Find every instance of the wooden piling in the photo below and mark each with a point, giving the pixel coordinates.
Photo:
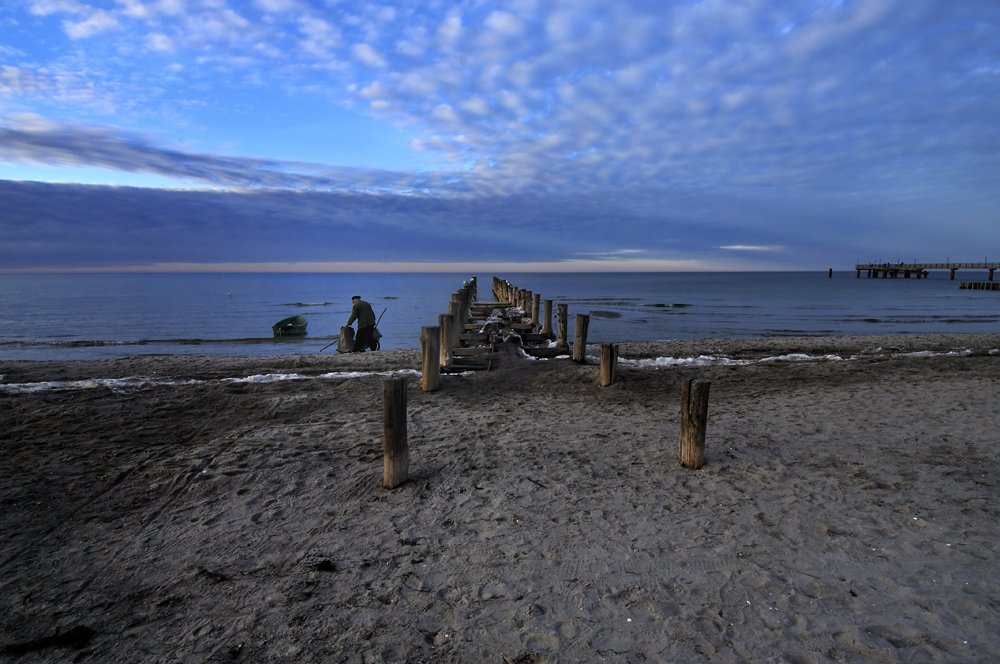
(561, 323)
(694, 420)
(396, 463)
(430, 346)
(580, 337)
(447, 325)
(536, 299)
(609, 363)
(457, 323)
(547, 321)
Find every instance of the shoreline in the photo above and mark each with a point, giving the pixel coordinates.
(846, 511)
(192, 366)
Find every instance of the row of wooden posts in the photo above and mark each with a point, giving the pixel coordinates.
(437, 346)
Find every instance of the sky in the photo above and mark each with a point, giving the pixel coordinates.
(577, 135)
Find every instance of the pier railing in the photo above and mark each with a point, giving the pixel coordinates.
(893, 270)
(927, 266)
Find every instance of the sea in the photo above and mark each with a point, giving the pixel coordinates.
(95, 316)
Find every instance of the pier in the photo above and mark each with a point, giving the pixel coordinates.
(980, 285)
(893, 270)
(469, 335)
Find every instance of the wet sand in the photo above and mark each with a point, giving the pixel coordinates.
(847, 510)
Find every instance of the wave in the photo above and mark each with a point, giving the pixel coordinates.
(306, 304)
(139, 382)
(711, 360)
(925, 320)
(98, 343)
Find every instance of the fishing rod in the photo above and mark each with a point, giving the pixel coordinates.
(376, 327)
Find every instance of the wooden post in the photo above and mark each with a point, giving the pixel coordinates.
(561, 341)
(609, 363)
(430, 346)
(458, 324)
(536, 301)
(694, 420)
(396, 464)
(465, 300)
(447, 325)
(547, 321)
(580, 337)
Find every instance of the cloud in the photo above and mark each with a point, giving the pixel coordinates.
(159, 42)
(95, 23)
(31, 139)
(90, 225)
(764, 124)
(687, 94)
(369, 56)
(756, 248)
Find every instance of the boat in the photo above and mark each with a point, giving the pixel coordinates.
(293, 326)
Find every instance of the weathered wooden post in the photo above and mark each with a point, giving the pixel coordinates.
(609, 363)
(466, 302)
(536, 301)
(457, 324)
(580, 337)
(563, 310)
(547, 321)
(694, 420)
(396, 464)
(447, 325)
(430, 346)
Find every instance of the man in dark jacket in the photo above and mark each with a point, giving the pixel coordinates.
(363, 313)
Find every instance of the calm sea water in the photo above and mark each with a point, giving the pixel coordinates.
(104, 315)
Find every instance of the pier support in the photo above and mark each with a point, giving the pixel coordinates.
(609, 363)
(447, 324)
(580, 337)
(694, 421)
(396, 452)
(562, 324)
(430, 348)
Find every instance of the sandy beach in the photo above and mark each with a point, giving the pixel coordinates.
(199, 509)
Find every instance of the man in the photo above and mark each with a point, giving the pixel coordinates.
(363, 313)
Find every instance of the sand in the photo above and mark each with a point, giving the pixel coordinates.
(847, 510)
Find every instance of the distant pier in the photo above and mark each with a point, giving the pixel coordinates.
(980, 285)
(886, 270)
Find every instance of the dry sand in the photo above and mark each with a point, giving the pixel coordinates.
(847, 511)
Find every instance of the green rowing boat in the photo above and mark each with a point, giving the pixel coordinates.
(293, 326)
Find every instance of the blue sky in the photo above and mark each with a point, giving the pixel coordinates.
(520, 135)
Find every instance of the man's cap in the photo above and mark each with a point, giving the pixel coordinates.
(355, 297)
